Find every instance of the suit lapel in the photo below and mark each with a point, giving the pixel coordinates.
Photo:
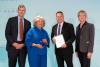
(63, 27)
(55, 29)
(24, 25)
(84, 27)
(16, 24)
(77, 30)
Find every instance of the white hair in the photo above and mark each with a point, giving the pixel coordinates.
(37, 18)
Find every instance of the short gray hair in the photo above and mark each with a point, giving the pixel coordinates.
(21, 6)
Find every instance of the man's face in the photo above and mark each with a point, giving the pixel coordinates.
(21, 11)
(82, 17)
(59, 17)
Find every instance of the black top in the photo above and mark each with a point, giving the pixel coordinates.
(78, 35)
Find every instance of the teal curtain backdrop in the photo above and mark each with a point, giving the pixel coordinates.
(47, 9)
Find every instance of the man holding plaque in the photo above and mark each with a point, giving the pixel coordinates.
(65, 32)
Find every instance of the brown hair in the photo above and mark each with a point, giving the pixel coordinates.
(59, 12)
(82, 11)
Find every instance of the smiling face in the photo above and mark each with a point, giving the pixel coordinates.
(39, 23)
(59, 17)
(21, 10)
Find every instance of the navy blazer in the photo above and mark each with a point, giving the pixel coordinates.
(11, 31)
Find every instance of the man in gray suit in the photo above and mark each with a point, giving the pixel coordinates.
(84, 39)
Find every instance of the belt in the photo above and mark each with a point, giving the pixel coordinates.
(20, 42)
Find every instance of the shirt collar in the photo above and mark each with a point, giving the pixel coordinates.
(83, 24)
(38, 28)
(19, 19)
(61, 24)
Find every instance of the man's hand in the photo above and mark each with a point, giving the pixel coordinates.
(15, 44)
(54, 40)
(89, 55)
(18, 46)
(64, 46)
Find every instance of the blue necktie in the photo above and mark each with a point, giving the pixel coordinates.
(59, 29)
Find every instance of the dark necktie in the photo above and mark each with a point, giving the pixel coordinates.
(21, 29)
(59, 29)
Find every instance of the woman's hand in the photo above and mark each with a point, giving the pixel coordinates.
(89, 55)
(45, 41)
(37, 45)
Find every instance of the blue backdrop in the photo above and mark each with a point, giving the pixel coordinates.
(47, 9)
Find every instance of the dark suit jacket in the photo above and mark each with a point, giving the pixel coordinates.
(86, 38)
(69, 37)
(11, 31)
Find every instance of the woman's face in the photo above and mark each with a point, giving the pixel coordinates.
(40, 23)
(82, 17)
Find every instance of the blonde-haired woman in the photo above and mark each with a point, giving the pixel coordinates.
(37, 41)
(84, 39)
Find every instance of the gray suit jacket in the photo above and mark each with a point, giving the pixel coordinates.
(86, 41)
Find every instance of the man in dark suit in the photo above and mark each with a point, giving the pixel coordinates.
(15, 32)
(65, 52)
(84, 39)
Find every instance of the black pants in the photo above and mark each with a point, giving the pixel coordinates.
(84, 61)
(14, 55)
(67, 58)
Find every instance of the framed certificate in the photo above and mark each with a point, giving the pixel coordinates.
(59, 40)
